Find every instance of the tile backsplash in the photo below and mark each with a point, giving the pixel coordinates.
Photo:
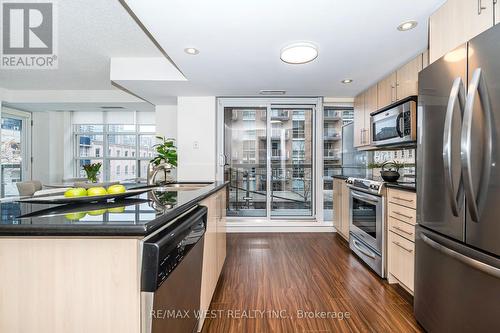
(406, 156)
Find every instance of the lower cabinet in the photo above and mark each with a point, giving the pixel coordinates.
(401, 260)
(401, 216)
(214, 252)
(341, 208)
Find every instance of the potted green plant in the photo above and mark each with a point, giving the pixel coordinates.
(166, 152)
(92, 170)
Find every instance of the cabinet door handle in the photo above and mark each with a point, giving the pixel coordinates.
(404, 215)
(480, 7)
(403, 199)
(401, 246)
(402, 230)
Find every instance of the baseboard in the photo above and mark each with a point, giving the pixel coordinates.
(278, 228)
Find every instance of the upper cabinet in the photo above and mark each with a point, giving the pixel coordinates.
(456, 22)
(359, 120)
(394, 87)
(407, 78)
(386, 93)
(364, 104)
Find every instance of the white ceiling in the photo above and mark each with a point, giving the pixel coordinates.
(90, 33)
(240, 42)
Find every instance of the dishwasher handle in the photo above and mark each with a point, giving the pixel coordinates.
(163, 252)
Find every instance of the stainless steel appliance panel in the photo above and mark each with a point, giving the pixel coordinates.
(366, 219)
(440, 200)
(395, 124)
(480, 146)
(371, 258)
(457, 289)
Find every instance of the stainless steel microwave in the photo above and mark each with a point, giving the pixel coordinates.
(396, 124)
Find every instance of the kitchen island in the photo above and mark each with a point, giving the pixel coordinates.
(77, 268)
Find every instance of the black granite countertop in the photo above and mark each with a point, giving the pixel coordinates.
(135, 216)
(340, 177)
(402, 186)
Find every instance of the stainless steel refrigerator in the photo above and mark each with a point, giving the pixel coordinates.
(457, 264)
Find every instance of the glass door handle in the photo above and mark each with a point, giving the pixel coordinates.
(457, 93)
(476, 202)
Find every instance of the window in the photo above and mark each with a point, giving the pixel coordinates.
(124, 150)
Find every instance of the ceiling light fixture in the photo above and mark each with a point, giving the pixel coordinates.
(408, 25)
(346, 81)
(191, 51)
(299, 53)
(272, 92)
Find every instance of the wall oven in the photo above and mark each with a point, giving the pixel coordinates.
(395, 125)
(366, 225)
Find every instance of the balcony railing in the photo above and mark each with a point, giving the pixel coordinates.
(331, 154)
(332, 115)
(332, 135)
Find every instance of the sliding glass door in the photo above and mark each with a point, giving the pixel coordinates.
(245, 150)
(15, 155)
(291, 160)
(268, 159)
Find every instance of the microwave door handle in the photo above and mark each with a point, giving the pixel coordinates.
(457, 93)
(476, 203)
(398, 124)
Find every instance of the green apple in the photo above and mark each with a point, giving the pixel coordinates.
(75, 216)
(116, 189)
(75, 192)
(116, 210)
(96, 212)
(94, 191)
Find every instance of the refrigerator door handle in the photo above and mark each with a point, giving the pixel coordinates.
(457, 93)
(493, 271)
(476, 203)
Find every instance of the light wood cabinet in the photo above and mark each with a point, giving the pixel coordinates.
(401, 262)
(401, 221)
(425, 59)
(359, 120)
(346, 208)
(370, 106)
(364, 104)
(337, 203)
(407, 78)
(403, 198)
(214, 248)
(457, 21)
(221, 231)
(386, 91)
(341, 208)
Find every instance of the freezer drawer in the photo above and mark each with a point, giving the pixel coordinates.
(457, 289)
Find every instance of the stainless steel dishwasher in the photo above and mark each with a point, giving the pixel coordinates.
(172, 263)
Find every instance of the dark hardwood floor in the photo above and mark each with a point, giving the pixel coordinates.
(270, 280)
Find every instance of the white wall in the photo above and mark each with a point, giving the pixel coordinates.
(196, 138)
(51, 146)
(166, 120)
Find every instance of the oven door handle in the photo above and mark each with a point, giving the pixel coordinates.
(358, 246)
(365, 197)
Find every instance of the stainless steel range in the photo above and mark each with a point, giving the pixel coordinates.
(366, 222)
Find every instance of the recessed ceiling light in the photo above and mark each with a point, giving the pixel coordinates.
(346, 81)
(408, 25)
(191, 51)
(299, 53)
